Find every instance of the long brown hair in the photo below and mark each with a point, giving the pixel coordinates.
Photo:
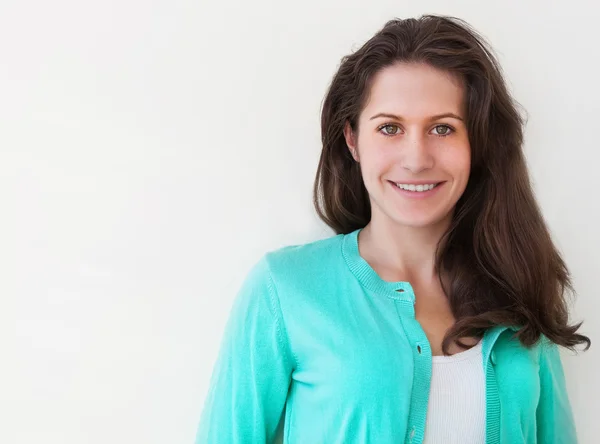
(499, 262)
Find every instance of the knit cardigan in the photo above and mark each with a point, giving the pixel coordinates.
(319, 349)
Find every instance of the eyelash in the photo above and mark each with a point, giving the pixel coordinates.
(437, 135)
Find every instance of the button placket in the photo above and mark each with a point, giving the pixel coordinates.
(415, 335)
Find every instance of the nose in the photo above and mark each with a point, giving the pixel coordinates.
(416, 154)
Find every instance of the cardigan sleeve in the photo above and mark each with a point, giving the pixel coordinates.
(555, 423)
(252, 374)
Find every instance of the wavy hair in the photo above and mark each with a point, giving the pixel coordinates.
(498, 261)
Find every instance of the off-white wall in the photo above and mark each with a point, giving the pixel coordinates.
(152, 151)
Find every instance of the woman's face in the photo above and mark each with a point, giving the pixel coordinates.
(412, 135)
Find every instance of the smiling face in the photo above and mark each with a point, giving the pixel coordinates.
(412, 145)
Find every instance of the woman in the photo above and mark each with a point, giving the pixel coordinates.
(436, 312)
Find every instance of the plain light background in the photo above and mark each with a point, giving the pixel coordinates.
(151, 151)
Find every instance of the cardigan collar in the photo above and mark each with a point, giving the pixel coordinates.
(399, 290)
(367, 276)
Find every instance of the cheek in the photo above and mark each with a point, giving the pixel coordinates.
(376, 156)
(374, 159)
(374, 167)
(457, 161)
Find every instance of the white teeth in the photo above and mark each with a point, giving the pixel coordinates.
(418, 188)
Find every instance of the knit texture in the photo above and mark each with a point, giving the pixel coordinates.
(319, 349)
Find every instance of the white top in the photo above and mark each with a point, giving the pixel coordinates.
(456, 408)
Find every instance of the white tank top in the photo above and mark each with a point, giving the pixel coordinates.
(456, 407)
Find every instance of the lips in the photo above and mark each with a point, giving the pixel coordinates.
(417, 187)
(417, 190)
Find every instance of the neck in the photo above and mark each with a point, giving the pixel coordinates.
(408, 251)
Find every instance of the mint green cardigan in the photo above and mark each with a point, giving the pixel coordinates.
(319, 349)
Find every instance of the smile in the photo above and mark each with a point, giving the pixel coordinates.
(417, 188)
(421, 191)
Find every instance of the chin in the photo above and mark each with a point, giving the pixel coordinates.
(423, 221)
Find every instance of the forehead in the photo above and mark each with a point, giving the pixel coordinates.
(415, 90)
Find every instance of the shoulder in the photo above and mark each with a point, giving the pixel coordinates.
(301, 259)
(293, 269)
(303, 274)
(543, 352)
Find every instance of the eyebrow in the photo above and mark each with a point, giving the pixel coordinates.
(436, 117)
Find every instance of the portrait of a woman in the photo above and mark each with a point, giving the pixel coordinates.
(436, 311)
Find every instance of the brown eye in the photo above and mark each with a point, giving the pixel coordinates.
(389, 130)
